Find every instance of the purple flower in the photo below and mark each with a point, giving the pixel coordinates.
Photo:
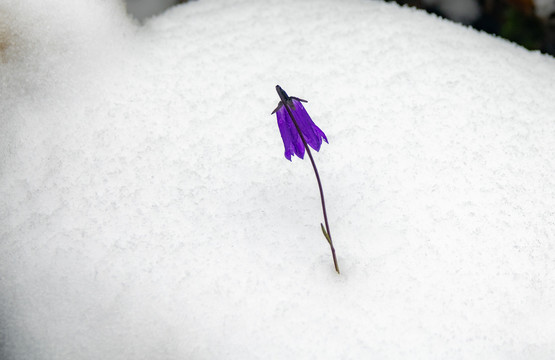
(289, 134)
(298, 131)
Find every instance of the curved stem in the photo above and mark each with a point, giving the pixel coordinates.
(328, 237)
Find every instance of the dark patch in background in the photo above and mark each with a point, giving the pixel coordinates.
(514, 20)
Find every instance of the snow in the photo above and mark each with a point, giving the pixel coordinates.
(147, 211)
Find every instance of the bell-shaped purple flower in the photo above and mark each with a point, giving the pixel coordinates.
(297, 132)
(289, 134)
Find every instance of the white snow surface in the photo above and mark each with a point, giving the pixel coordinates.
(147, 211)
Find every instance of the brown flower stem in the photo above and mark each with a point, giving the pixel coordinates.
(326, 232)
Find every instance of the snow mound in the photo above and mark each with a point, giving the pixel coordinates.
(147, 211)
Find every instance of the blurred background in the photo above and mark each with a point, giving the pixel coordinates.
(530, 23)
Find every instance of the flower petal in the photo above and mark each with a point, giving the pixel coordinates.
(312, 133)
(289, 134)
